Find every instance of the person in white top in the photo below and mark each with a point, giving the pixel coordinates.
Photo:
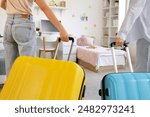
(136, 27)
(19, 34)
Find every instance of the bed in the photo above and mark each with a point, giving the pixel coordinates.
(95, 57)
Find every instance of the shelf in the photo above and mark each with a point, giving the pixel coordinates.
(112, 37)
(52, 7)
(106, 17)
(106, 8)
(113, 26)
(114, 6)
(110, 19)
(105, 27)
(58, 7)
(114, 16)
(105, 36)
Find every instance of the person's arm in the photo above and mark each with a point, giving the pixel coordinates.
(3, 4)
(135, 9)
(50, 15)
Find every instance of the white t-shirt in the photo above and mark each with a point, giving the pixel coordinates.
(19, 6)
(136, 24)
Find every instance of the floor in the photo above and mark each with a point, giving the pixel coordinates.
(93, 81)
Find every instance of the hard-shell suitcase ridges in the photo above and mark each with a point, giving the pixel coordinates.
(126, 86)
(43, 79)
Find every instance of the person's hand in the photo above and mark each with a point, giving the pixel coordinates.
(64, 36)
(119, 41)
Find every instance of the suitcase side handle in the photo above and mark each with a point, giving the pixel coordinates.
(106, 92)
(59, 40)
(128, 56)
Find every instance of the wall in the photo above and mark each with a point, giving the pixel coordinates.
(122, 12)
(71, 18)
(2, 20)
(84, 8)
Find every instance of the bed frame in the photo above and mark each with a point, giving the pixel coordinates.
(95, 68)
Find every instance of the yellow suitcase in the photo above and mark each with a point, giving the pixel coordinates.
(43, 79)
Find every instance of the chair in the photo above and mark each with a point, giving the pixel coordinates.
(49, 36)
(43, 79)
(45, 49)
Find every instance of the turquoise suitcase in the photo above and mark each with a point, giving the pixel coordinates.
(125, 86)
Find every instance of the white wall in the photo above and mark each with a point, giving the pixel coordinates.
(77, 9)
(122, 12)
(2, 20)
(71, 18)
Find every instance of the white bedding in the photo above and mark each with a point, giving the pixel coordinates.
(99, 56)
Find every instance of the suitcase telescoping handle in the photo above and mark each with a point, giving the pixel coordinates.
(59, 40)
(128, 56)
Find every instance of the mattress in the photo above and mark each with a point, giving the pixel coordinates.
(100, 56)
